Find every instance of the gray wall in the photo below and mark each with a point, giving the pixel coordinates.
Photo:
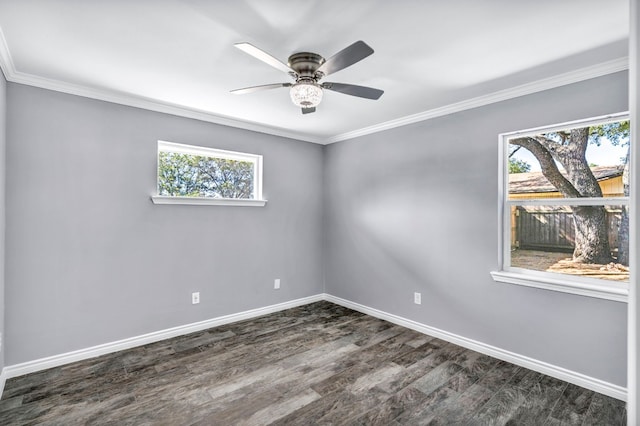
(91, 260)
(414, 209)
(3, 144)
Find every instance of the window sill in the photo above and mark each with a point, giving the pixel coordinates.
(195, 201)
(591, 288)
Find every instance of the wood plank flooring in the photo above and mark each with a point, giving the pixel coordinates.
(318, 364)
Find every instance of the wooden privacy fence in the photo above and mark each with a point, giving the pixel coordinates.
(551, 228)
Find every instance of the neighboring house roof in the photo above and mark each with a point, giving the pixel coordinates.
(522, 183)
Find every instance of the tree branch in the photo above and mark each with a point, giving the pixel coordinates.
(547, 165)
(558, 151)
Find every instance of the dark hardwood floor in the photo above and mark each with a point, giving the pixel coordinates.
(315, 364)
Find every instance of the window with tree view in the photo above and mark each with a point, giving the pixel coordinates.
(198, 172)
(566, 209)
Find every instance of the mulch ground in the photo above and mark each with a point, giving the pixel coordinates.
(562, 263)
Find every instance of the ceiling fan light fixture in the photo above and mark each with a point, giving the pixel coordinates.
(307, 69)
(306, 94)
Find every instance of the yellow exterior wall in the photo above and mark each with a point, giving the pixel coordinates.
(611, 187)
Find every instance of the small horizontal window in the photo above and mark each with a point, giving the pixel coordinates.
(204, 176)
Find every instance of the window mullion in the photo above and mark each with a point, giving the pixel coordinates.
(598, 201)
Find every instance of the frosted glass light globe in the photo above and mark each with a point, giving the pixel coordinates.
(306, 94)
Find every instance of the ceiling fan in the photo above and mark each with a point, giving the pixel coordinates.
(307, 69)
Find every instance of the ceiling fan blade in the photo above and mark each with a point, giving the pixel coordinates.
(353, 90)
(263, 56)
(308, 110)
(346, 57)
(259, 88)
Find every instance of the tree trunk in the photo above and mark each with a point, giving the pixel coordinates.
(592, 239)
(592, 232)
(623, 237)
(623, 232)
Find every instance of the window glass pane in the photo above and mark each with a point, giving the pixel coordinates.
(587, 161)
(588, 241)
(189, 175)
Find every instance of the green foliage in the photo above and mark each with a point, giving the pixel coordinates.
(518, 166)
(197, 176)
(617, 133)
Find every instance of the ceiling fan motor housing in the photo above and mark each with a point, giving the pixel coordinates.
(305, 64)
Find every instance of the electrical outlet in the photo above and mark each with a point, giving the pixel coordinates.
(417, 298)
(195, 298)
(276, 284)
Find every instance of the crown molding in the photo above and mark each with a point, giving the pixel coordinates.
(153, 105)
(6, 63)
(15, 76)
(598, 70)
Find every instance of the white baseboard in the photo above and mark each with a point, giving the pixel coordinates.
(3, 379)
(578, 379)
(106, 348)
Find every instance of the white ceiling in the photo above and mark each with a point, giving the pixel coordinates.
(431, 57)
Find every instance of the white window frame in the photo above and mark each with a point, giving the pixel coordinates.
(583, 286)
(256, 160)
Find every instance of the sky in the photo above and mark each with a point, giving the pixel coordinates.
(603, 155)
